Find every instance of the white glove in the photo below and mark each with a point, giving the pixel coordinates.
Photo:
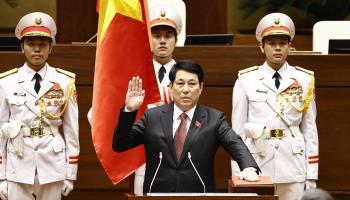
(3, 189)
(249, 174)
(310, 184)
(89, 116)
(67, 187)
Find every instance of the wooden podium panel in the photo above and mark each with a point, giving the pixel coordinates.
(260, 197)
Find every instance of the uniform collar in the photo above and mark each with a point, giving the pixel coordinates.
(167, 66)
(27, 73)
(269, 71)
(287, 73)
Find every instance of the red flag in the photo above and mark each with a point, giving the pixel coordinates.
(123, 51)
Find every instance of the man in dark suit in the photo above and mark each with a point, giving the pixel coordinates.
(180, 138)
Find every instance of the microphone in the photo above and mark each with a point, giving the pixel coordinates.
(155, 174)
(194, 167)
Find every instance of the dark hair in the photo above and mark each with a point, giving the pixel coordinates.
(269, 36)
(44, 37)
(166, 26)
(188, 66)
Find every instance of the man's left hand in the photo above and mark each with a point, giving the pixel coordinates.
(310, 184)
(67, 187)
(249, 174)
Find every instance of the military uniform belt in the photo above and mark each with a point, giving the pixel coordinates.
(279, 133)
(36, 131)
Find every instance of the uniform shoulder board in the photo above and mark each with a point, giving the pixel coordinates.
(246, 70)
(70, 74)
(304, 70)
(11, 71)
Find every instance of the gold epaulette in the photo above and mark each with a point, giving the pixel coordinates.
(304, 70)
(70, 74)
(11, 71)
(249, 69)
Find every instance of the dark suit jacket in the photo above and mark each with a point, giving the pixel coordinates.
(207, 131)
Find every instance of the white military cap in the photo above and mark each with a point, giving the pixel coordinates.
(275, 24)
(36, 24)
(165, 15)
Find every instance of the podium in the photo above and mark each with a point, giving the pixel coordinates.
(211, 196)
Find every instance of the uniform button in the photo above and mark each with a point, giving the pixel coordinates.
(276, 146)
(36, 148)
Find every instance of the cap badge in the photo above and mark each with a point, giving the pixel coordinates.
(277, 21)
(38, 21)
(162, 14)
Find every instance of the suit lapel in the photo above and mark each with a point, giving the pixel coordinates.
(265, 80)
(269, 83)
(47, 83)
(25, 82)
(199, 118)
(167, 121)
(289, 79)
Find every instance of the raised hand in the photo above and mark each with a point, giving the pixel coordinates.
(135, 95)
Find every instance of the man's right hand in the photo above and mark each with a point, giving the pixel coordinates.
(3, 189)
(135, 95)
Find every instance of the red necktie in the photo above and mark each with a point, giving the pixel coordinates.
(180, 136)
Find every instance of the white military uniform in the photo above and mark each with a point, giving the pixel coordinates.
(53, 156)
(278, 125)
(35, 156)
(166, 16)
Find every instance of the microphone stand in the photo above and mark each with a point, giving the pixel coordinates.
(194, 167)
(155, 174)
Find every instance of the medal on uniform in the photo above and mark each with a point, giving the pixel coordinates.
(54, 97)
(294, 94)
(55, 92)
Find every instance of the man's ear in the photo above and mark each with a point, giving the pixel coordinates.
(22, 47)
(50, 48)
(262, 48)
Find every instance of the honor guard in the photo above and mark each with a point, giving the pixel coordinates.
(39, 133)
(274, 111)
(165, 23)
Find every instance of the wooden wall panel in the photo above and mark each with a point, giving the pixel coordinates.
(220, 65)
(76, 20)
(206, 16)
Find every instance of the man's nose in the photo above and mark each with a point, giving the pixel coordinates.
(162, 39)
(185, 89)
(36, 48)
